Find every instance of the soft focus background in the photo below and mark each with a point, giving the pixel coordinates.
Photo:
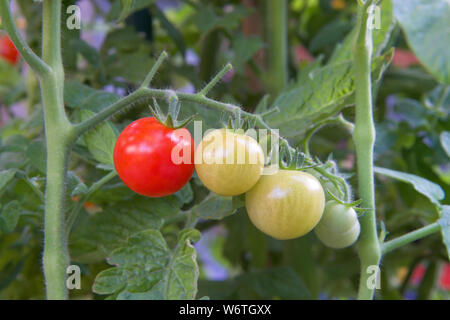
(236, 260)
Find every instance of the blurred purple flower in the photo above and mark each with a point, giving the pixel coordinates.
(191, 57)
(213, 269)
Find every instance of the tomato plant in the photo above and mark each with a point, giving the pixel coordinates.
(325, 144)
(145, 161)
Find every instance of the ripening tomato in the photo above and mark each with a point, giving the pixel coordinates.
(339, 227)
(228, 163)
(152, 159)
(7, 50)
(286, 205)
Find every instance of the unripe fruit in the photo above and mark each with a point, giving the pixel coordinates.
(286, 205)
(339, 226)
(228, 163)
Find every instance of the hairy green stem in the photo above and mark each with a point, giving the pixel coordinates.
(364, 138)
(410, 237)
(277, 45)
(59, 137)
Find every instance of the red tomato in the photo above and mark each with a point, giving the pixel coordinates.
(444, 281)
(152, 159)
(7, 50)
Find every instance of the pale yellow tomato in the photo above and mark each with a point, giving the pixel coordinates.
(286, 205)
(228, 163)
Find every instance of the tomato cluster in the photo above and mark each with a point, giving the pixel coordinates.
(284, 205)
(8, 51)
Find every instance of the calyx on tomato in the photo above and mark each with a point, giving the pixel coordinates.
(170, 120)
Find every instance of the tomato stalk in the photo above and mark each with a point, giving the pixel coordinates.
(59, 137)
(277, 46)
(364, 138)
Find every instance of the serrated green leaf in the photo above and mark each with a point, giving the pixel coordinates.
(324, 91)
(100, 140)
(429, 189)
(426, 24)
(9, 217)
(100, 233)
(78, 95)
(445, 141)
(146, 268)
(6, 176)
(444, 222)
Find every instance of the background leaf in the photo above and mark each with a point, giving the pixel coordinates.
(100, 140)
(429, 189)
(426, 24)
(146, 268)
(444, 221)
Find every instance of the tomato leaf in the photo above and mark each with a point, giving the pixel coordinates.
(99, 233)
(445, 141)
(147, 269)
(9, 217)
(215, 207)
(444, 221)
(77, 95)
(6, 176)
(37, 154)
(426, 23)
(429, 189)
(100, 140)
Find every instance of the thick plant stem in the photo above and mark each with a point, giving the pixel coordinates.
(276, 38)
(59, 136)
(364, 138)
(56, 256)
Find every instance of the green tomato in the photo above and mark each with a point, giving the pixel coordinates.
(285, 205)
(228, 163)
(339, 226)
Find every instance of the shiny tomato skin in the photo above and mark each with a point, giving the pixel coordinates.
(143, 157)
(285, 205)
(8, 51)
